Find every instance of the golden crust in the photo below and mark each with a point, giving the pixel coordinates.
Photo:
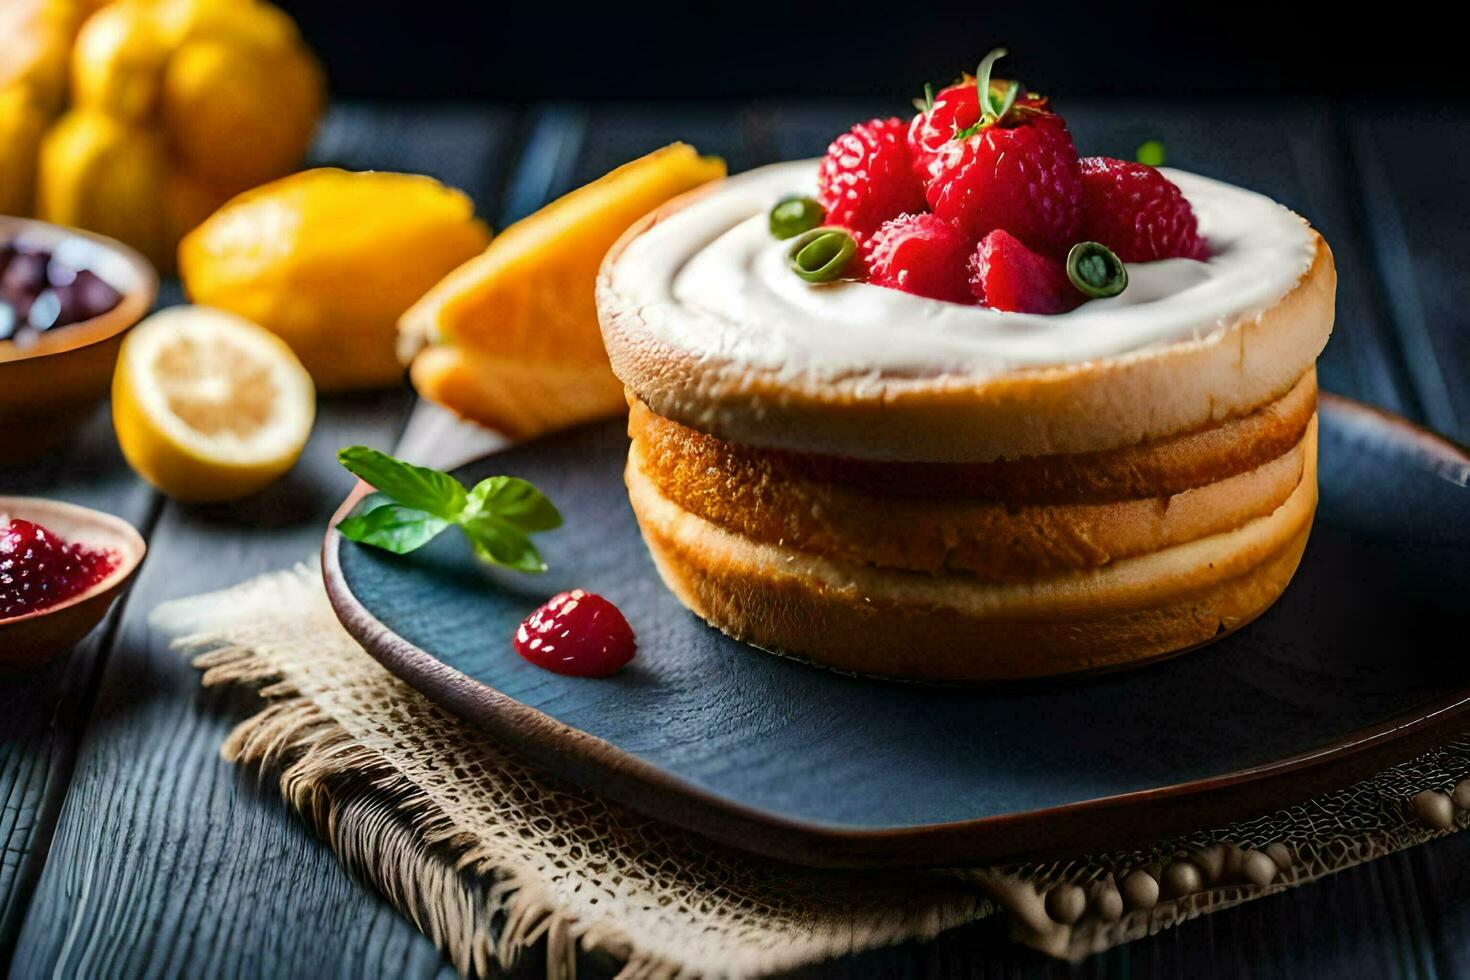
(1153, 469)
(998, 521)
(1088, 407)
(955, 627)
(993, 542)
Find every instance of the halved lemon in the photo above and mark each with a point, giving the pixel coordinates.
(208, 406)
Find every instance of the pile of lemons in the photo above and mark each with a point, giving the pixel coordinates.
(138, 118)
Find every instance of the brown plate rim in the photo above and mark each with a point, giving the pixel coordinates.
(1121, 820)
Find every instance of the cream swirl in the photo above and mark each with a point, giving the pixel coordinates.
(709, 279)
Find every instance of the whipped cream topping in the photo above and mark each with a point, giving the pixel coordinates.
(711, 280)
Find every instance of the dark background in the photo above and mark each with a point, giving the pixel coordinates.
(529, 51)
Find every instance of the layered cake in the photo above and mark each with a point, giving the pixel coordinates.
(953, 403)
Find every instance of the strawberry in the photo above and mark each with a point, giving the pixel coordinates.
(1006, 275)
(953, 110)
(919, 254)
(1137, 212)
(938, 120)
(1014, 167)
(867, 178)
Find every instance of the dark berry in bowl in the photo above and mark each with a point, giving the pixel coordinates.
(40, 291)
(66, 298)
(24, 278)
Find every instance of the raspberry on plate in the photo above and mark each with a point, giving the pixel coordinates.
(1137, 212)
(1014, 168)
(867, 178)
(919, 254)
(577, 633)
(1006, 275)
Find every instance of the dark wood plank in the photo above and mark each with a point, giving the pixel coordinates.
(545, 159)
(616, 133)
(465, 146)
(1414, 168)
(44, 709)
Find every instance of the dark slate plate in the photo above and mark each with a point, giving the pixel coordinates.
(1360, 664)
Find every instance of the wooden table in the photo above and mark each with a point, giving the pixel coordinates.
(131, 849)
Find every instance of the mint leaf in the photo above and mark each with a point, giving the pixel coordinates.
(412, 486)
(393, 527)
(415, 504)
(502, 544)
(513, 501)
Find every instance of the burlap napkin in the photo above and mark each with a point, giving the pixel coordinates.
(487, 856)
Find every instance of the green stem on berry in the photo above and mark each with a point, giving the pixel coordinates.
(821, 254)
(989, 111)
(793, 215)
(993, 109)
(1096, 271)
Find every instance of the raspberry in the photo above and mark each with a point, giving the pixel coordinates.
(1006, 275)
(1137, 212)
(919, 254)
(577, 633)
(866, 176)
(1023, 178)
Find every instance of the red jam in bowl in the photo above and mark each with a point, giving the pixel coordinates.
(39, 569)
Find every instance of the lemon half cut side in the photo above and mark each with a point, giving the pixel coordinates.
(209, 406)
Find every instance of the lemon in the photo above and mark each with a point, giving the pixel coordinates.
(105, 175)
(208, 406)
(21, 125)
(37, 47)
(248, 22)
(118, 61)
(187, 201)
(328, 260)
(240, 117)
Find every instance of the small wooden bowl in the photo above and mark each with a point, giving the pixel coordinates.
(46, 389)
(38, 636)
